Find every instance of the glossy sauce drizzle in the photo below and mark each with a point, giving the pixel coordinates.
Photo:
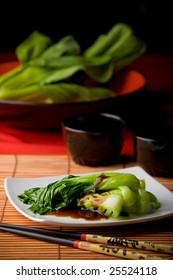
(99, 179)
(77, 214)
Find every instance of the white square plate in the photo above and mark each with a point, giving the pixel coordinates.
(16, 186)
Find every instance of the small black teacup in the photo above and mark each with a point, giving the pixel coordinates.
(94, 139)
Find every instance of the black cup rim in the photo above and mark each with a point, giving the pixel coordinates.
(68, 123)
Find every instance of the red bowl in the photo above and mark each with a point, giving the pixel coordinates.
(129, 84)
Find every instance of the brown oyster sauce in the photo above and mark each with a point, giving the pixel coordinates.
(77, 214)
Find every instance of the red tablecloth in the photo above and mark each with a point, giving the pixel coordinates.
(20, 141)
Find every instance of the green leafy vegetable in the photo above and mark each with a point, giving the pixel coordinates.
(57, 195)
(47, 69)
(112, 181)
(33, 46)
(67, 92)
(110, 194)
(107, 204)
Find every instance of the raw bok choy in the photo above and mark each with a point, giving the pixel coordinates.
(109, 194)
(56, 72)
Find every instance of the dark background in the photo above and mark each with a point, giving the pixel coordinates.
(152, 21)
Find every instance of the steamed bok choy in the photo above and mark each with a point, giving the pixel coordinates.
(57, 71)
(110, 194)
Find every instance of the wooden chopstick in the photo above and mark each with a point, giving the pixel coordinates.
(112, 241)
(44, 234)
(135, 244)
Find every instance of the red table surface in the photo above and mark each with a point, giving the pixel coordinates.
(20, 141)
(159, 73)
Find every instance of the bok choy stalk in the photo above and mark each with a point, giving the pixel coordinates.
(110, 194)
(120, 201)
(49, 71)
(107, 204)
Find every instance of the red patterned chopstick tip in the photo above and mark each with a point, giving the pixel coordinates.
(76, 243)
(83, 236)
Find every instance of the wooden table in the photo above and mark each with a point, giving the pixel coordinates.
(13, 247)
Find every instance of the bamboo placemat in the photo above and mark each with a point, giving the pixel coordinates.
(14, 247)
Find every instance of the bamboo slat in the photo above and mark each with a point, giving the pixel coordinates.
(78, 169)
(41, 166)
(16, 247)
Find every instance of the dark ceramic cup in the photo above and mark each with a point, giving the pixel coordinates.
(154, 150)
(94, 139)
